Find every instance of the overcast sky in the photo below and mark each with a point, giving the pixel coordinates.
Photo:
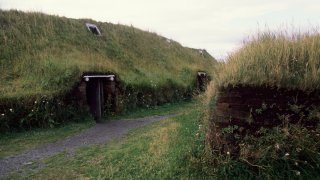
(217, 26)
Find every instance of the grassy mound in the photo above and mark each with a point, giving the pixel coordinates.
(42, 54)
(287, 67)
(276, 59)
(43, 57)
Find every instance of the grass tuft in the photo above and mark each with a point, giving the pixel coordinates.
(279, 59)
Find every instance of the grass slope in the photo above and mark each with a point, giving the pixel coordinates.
(42, 54)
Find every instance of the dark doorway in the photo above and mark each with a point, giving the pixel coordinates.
(202, 80)
(99, 93)
(95, 97)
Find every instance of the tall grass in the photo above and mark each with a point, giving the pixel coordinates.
(281, 59)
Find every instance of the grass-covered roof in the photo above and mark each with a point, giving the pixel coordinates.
(282, 59)
(43, 54)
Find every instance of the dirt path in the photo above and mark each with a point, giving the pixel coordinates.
(100, 133)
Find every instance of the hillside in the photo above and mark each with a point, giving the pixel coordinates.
(42, 54)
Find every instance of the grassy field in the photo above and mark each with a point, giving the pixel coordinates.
(162, 150)
(44, 55)
(15, 142)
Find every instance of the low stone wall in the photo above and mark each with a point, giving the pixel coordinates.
(244, 109)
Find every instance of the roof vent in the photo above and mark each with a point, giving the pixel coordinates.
(93, 28)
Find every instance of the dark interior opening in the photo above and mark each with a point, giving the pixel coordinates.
(100, 93)
(94, 30)
(202, 81)
(95, 97)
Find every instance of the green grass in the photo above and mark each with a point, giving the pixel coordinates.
(162, 150)
(281, 59)
(169, 108)
(15, 142)
(45, 55)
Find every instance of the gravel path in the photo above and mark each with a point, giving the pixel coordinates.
(100, 133)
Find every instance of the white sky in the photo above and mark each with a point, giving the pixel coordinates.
(217, 26)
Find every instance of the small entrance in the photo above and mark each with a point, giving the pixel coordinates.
(96, 89)
(202, 80)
